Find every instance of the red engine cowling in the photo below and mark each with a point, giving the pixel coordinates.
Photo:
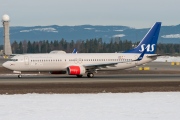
(57, 72)
(76, 70)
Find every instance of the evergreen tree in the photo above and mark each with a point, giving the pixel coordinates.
(29, 47)
(87, 46)
(20, 50)
(15, 47)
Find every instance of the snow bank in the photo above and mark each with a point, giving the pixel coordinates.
(108, 106)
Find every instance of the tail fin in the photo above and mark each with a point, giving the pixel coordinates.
(74, 51)
(149, 42)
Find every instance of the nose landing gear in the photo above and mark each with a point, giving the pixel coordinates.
(19, 76)
(19, 73)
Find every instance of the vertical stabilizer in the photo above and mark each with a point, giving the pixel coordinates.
(149, 42)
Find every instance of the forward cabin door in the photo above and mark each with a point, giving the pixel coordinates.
(26, 60)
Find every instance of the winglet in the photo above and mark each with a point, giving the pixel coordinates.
(74, 51)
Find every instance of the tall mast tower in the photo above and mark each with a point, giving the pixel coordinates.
(7, 45)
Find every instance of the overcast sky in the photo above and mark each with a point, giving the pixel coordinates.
(133, 13)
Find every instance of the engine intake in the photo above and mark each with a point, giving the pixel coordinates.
(76, 70)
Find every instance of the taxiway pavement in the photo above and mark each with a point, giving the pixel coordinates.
(99, 84)
(161, 77)
(35, 78)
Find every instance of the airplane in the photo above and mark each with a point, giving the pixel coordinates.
(88, 63)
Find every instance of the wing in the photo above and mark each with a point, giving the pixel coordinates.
(96, 66)
(104, 65)
(112, 64)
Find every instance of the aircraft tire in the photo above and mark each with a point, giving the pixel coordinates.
(90, 75)
(19, 76)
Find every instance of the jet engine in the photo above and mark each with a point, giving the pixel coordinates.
(76, 70)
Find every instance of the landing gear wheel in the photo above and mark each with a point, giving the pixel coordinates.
(90, 75)
(79, 76)
(19, 76)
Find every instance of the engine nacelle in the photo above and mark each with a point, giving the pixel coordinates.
(57, 72)
(76, 70)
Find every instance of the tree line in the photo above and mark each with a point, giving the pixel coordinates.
(86, 46)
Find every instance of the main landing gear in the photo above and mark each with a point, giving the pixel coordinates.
(90, 75)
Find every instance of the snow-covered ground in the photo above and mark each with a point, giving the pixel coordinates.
(107, 106)
(167, 59)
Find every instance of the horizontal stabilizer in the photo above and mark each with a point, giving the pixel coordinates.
(152, 56)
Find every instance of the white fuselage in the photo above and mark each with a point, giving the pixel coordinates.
(60, 62)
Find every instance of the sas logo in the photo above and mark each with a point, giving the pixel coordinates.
(149, 48)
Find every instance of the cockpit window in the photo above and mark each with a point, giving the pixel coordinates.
(13, 59)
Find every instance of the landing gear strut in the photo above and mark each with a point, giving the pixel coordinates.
(19, 73)
(90, 75)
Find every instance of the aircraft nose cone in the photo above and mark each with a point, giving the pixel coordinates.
(5, 65)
